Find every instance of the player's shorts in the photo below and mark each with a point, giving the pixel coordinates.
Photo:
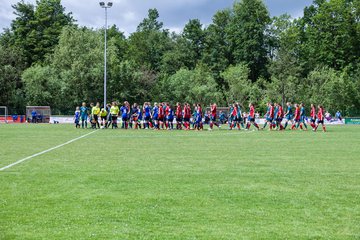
(84, 117)
(76, 121)
(312, 120)
(279, 119)
(161, 118)
(213, 118)
(135, 119)
(114, 119)
(147, 118)
(320, 121)
(302, 119)
(186, 119)
(124, 118)
(289, 117)
(250, 119)
(170, 119)
(103, 118)
(96, 118)
(297, 120)
(179, 119)
(269, 119)
(198, 119)
(155, 117)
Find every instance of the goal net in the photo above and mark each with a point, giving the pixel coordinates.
(4, 115)
(38, 114)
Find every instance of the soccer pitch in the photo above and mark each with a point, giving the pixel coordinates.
(117, 184)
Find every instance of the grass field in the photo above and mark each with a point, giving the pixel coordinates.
(116, 184)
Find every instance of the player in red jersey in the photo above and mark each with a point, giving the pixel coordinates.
(178, 115)
(297, 117)
(234, 115)
(213, 116)
(187, 116)
(279, 117)
(320, 118)
(251, 117)
(313, 116)
(161, 115)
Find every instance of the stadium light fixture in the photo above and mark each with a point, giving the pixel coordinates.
(105, 6)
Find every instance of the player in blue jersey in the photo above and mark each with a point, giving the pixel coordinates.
(239, 116)
(169, 116)
(77, 117)
(155, 116)
(198, 118)
(288, 115)
(302, 116)
(84, 112)
(124, 115)
(147, 115)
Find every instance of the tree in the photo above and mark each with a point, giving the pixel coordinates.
(194, 37)
(331, 34)
(285, 67)
(333, 89)
(149, 43)
(216, 52)
(80, 66)
(11, 67)
(41, 86)
(36, 30)
(246, 32)
(241, 88)
(194, 86)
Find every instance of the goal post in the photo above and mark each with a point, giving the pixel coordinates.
(38, 114)
(4, 114)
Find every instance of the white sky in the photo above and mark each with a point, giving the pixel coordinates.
(127, 14)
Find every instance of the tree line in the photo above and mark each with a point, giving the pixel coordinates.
(244, 55)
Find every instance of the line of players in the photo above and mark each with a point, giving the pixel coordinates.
(162, 116)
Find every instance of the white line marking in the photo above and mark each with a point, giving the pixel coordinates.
(46, 151)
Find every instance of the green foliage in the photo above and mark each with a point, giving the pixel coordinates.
(41, 86)
(242, 55)
(37, 29)
(194, 86)
(246, 31)
(332, 89)
(241, 89)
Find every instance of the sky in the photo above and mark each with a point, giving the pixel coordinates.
(127, 14)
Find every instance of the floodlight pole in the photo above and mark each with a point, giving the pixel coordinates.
(105, 6)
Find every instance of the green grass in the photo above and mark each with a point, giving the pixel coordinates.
(118, 184)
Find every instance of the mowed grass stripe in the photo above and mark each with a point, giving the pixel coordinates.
(268, 185)
(23, 140)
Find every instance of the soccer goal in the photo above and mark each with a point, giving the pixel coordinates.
(38, 114)
(3, 114)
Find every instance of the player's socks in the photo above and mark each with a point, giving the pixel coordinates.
(256, 125)
(126, 125)
(242, 125)
(281, 126)
(305, 126)
(265, 125)
(324, 128)
(286, 124)
(293, 127)
(301, 127)
(248, 126)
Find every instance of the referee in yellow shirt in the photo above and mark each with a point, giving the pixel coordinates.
(95, 112)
